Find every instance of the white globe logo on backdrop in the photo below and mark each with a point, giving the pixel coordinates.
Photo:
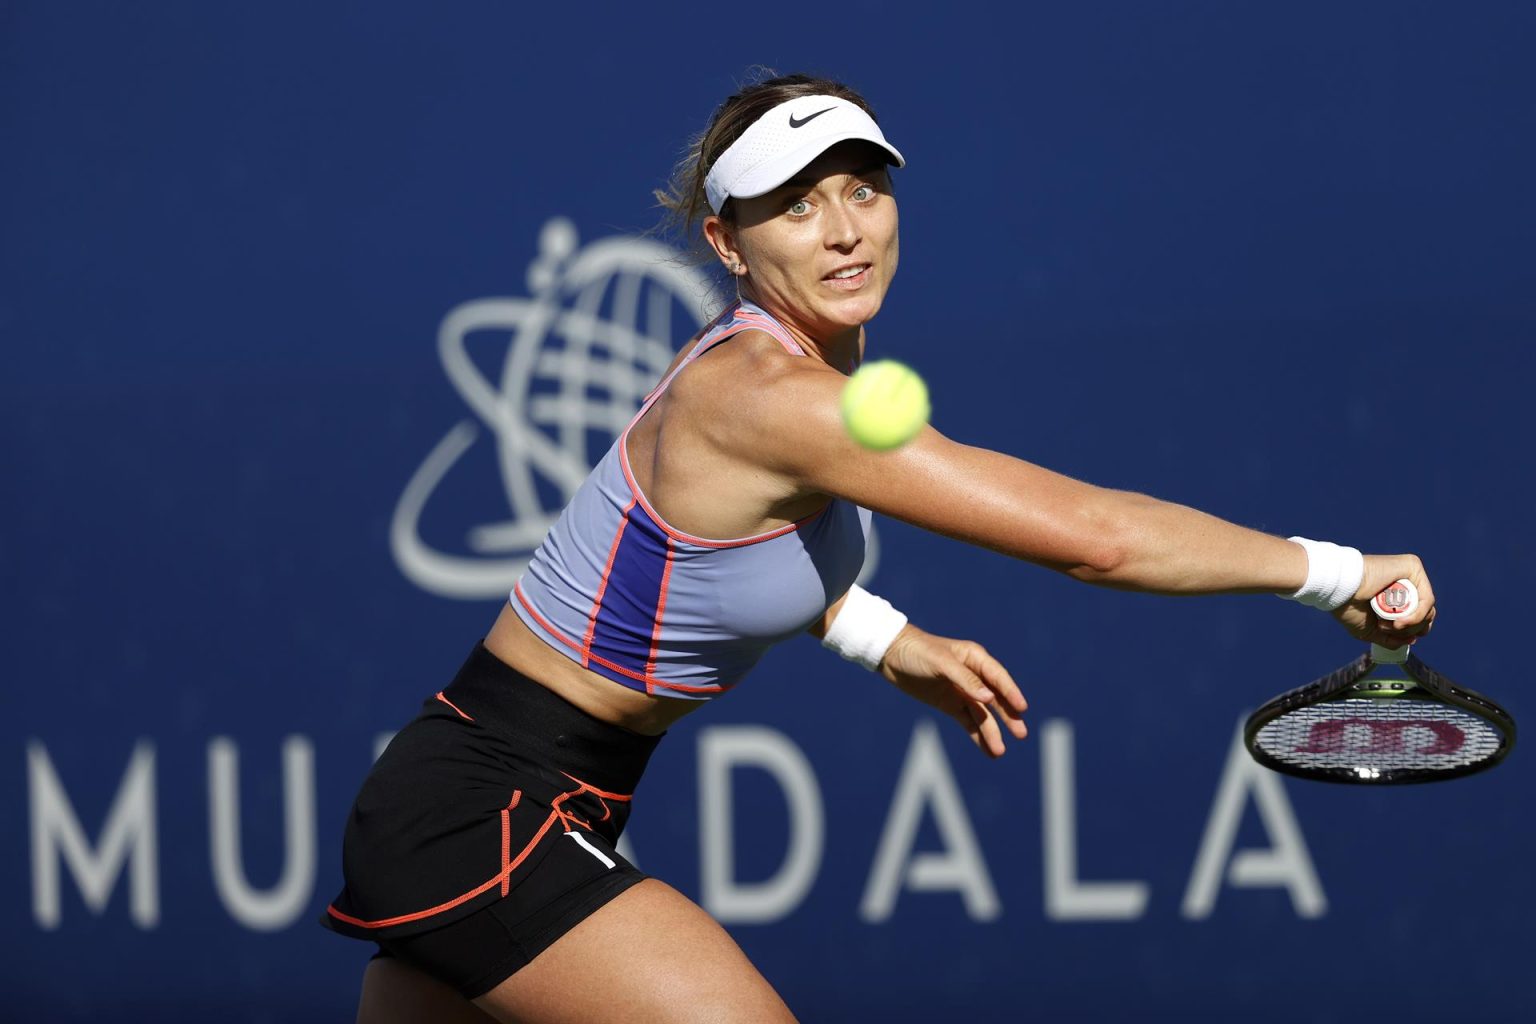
(598, 329)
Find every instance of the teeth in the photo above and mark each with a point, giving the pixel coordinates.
(849, 271)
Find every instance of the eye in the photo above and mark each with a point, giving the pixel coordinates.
(799, 208)
(863, 193)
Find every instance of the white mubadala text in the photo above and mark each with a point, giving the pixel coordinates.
(123, 848)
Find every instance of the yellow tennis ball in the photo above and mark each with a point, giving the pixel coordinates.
(885, 404)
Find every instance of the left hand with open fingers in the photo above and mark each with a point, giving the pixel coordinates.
(959, 678)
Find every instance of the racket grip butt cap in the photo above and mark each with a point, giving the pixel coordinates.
(1404, 601)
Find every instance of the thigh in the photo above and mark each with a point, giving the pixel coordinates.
(394, 992)
(648, 956)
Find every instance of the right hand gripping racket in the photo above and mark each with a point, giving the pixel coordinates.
(1385, 718)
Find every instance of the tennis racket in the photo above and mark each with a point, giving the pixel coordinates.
(1385, 718)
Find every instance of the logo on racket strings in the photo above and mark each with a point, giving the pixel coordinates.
(1382, 736)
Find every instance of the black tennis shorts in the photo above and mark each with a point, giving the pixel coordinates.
(486, 830)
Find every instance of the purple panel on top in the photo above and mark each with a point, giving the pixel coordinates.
(627, 617)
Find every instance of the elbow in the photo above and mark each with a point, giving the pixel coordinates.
(1103, 563)
(1103, 548)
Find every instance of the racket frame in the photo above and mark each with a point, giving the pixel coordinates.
(1345, 682)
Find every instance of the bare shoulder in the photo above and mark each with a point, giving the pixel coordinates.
(737, 393)
(772, 422)
(781, 414)
(751, 355)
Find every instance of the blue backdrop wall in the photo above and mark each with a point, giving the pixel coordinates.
(311, 315)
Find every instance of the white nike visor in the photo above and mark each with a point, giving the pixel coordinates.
(783, 141)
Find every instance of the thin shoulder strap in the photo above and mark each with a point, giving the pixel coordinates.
(733, 321)
(751, 316)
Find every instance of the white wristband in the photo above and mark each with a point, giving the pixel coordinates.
(1334, 573)
(864, 628)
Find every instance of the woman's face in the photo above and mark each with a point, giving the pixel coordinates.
(820, 250)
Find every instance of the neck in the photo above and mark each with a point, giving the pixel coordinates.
(842, 349)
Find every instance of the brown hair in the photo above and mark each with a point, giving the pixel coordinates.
(683, 198)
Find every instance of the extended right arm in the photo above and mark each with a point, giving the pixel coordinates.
(1099, 535)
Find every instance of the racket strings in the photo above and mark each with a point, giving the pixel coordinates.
(1372, 736)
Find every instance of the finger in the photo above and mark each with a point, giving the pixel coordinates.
(1411, 568)
(980, 698)
(977, 721)
(966, 681)
(990, 736)
(994, 674)
(1426, 617)
(1424, 587)
(1407, 629)
(1010, 705)
(1012, 719)
(970, 721)
(1386, 635)
(1383, 633)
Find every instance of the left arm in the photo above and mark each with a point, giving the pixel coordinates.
(957, 677)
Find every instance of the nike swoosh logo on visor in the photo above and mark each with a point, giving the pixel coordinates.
(794, 123)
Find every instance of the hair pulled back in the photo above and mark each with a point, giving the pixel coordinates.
(683, 197)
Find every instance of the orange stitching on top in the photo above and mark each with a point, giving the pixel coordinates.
(771, 328)
(743, 321)
(661, 607)
(549, 628)
(602, 587)
(688, 538)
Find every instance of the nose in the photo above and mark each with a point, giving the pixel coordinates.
(842, 227)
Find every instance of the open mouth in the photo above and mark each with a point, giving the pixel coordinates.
(853, 274)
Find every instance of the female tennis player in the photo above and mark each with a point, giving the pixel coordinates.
(730, 515)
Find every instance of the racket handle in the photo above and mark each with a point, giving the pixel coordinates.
(1398, 601)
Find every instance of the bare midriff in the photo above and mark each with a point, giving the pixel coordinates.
(602, 698)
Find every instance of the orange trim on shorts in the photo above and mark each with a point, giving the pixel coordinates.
(587, 787)
(505, 873)
(506, 841)
(455, 707)
(603, 796)
(556, 813)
